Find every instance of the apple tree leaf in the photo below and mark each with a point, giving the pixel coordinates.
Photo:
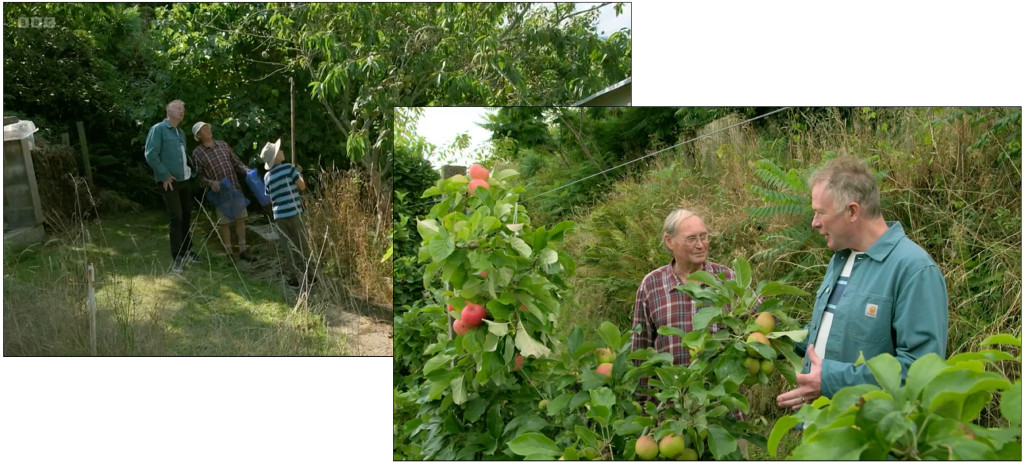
(887, 370)
(519, 245)
(533, 445)
(1009, 404)
(528, 346)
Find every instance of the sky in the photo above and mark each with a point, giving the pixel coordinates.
(440, 125)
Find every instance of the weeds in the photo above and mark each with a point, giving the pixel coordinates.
(217, 307)
(951, 177)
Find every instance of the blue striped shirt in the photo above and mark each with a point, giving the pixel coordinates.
(280, 182)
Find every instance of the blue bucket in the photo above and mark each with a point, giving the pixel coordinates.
(229, 201)
(259, 190)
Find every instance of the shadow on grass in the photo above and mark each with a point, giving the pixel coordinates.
(214, 308)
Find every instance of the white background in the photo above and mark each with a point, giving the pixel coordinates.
(685, 53)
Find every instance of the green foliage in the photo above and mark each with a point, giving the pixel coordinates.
(413, 175)
(465, 378)
(931, 416)
(787, 196)
(78, 71)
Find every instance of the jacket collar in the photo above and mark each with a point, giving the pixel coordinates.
(887, 242)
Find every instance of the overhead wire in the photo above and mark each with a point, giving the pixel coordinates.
(747, 121)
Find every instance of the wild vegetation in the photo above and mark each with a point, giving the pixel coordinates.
(115, 66)
(951, 176)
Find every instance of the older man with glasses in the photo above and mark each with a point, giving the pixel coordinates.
(659, 303)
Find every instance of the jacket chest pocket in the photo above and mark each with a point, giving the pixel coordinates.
(868, 317)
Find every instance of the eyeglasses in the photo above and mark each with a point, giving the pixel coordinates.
(692, 240)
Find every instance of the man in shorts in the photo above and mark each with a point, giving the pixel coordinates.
(216, 161)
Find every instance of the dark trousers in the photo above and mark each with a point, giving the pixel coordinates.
(179, 210)
(295, 240)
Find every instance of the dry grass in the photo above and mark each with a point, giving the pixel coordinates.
(348, 240)
(962, 205)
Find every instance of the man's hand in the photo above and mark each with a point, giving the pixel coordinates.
(808, 386)
(168, 183)
(215, 187)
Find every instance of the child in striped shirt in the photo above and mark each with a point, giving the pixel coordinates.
(284, 182)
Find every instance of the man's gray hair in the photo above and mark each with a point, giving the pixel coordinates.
(175, 103)
(849, 180)
(674, 218)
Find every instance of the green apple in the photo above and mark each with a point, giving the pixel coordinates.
(688, 454)
(765, 323)
(753, 365)
(604, 355)
(756, 337)
(671, 446)
(646, 448)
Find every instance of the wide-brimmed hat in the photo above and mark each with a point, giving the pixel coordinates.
(197, 127)
(269, 153)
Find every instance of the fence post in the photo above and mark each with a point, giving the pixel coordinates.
(85, 152)
(91, 278)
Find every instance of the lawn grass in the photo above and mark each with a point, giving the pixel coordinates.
(214, 308)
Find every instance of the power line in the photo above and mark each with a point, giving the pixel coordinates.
(646, 156)
(659, 151)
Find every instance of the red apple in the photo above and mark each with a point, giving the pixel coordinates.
(473, 184)
(451, 308)
(519, 363)
(460, 327)
(477, 171)
(483, 274)
(473, 315)
(604, 369)
(522, 308)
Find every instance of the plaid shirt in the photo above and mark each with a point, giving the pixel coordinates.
(658, 303)
(216, 163)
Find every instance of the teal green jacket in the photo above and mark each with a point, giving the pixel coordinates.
(908, 315)
(165, 152)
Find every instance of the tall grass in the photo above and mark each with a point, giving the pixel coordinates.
(951, 178)
(349, 239)
(215, 308)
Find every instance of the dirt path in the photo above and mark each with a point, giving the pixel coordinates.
(368, 328)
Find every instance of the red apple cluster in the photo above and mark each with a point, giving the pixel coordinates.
(479, 175)
(472, 316)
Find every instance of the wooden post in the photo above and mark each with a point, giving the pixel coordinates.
(292, 82)
(91, 277)
(85, 152)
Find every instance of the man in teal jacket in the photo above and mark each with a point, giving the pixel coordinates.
(882, 293)
(165, 153)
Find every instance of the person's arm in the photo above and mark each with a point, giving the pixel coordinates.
(153, 155)
(299, 181)
(920, 323)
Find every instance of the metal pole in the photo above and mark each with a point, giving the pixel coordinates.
(291, 81)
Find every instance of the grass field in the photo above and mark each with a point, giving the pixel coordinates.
(216, 307)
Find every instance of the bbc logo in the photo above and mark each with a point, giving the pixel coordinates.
(45, 22)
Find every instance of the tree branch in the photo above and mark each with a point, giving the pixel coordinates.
(577, 13)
